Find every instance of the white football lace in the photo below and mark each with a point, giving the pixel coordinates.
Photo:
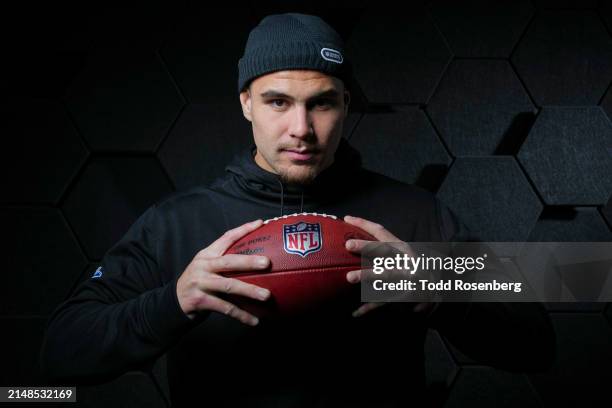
(298, 214)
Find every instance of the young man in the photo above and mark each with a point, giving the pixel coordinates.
(158, 291)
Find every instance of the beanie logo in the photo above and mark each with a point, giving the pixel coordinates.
(331, 55)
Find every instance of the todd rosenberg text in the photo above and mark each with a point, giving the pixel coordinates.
(446, 285)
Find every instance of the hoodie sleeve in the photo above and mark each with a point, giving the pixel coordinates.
(507, 335)
(120, 319)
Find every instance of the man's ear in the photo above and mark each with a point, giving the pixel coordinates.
(245, 102)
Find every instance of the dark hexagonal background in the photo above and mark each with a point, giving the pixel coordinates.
(583, 343)
(481, 108)
(25, 335)
(570, 224)
(607, 212)
(441, 370)
(157, 82)
(567, 155)
(124, 99)
(204, 38)
(109, 196)
(465, 23)
(411, 149)
(46, 151)
(486, 387)
(565, 58)
(566, 4)
(398, 54)
(492, 197)
(44, 260)
(203, 141)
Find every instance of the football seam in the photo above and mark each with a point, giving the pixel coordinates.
(291, 271)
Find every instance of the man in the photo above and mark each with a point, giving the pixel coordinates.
(158, 291)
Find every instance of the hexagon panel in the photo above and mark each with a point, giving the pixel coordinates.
(607, 212)
(411, 149)
(110, 194)
(398, 54)
(488, 387)
(45, 49)
(566, 225)
(132, 389)
(21, 340)
(580, 375)
(203, 142)
(606, 104)
(116, 25)
(124, 100)
(565, 58)
(480, 107)
(343, 16)
(481, 28)
(40, 75)
(605, 11)
(567, 156)
(440, 369)
(203, 52)
(44, 260)
(492, 197)
(566, 4)
(350, 124)
(44, 154)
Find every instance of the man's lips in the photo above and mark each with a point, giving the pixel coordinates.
(299, 154)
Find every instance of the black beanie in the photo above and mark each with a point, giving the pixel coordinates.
(292, 41)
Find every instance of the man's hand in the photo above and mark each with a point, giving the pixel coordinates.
(198, 286)
(356, 245)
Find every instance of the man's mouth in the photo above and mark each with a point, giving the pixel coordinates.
(299, 154)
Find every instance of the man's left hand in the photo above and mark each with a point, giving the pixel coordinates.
(356, 246)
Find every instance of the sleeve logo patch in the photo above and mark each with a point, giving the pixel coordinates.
(97, 273)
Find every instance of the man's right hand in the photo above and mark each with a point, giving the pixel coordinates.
(200, 283)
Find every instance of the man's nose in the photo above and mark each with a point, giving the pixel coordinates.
(301, 125)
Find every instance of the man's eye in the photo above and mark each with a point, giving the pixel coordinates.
(278, 103)
(324, 103)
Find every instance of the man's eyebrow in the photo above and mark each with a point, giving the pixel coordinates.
(274, 94)
(330, 93)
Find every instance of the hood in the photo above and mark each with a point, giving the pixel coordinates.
(245, 179)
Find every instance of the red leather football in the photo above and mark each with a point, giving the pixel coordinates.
(309, 263)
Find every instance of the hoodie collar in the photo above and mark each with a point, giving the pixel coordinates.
(253, 181)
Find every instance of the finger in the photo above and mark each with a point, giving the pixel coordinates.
(226, 240)
(357, 245)
(375, 249)
(378, 231)
(233, 262)
(354, 276)
(367, 307)
(233, 286)
(211, 302)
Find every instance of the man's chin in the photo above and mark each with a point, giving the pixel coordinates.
(302, 175)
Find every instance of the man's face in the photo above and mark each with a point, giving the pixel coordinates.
(297, 119)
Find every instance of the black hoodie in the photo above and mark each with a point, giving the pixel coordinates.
(129, 316)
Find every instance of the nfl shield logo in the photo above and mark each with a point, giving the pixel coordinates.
(302, 238)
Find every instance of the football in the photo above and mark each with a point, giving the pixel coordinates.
(308, 263)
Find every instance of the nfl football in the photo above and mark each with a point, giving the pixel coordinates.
(308, 263)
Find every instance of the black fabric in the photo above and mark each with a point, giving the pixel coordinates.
(130, 316)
